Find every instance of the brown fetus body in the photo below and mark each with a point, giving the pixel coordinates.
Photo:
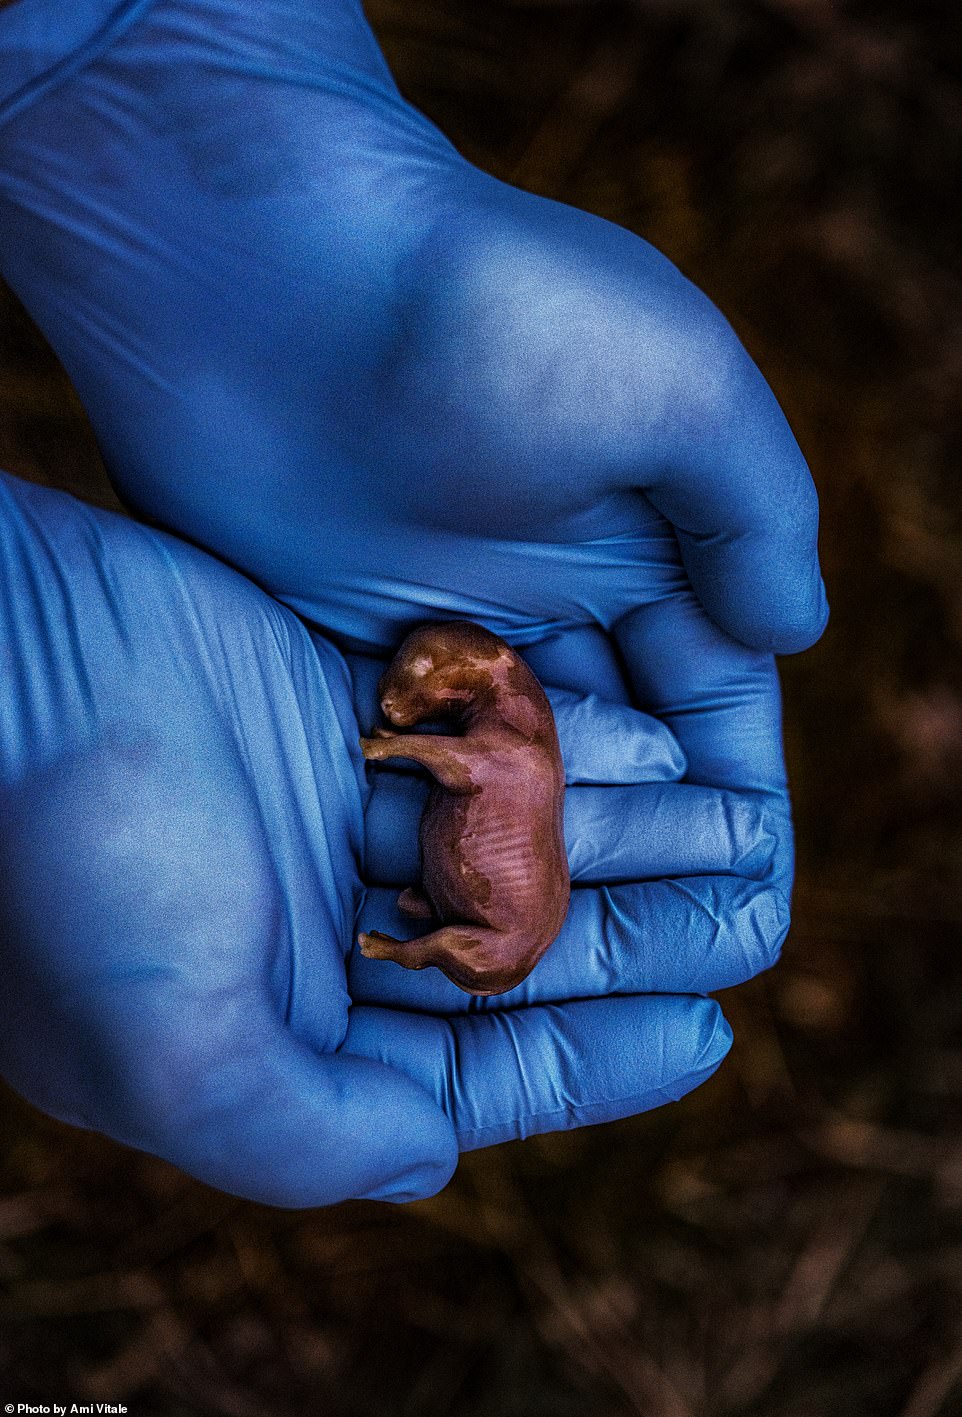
(494, 872)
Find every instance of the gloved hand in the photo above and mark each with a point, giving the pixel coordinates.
(315, 340)
(181, 840)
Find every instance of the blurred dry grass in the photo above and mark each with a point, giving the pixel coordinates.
(788, 1241)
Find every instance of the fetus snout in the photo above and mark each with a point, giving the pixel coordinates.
(394, 712)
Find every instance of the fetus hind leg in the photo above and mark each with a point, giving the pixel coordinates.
(414, 902)
(477, 958)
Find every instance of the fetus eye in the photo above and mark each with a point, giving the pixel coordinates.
(422, 665)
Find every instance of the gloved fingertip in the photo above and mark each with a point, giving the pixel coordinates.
(801, 626)
(774, 605)
(754, 839)
(643, 750)
(794, 626)
(715, 1040)
(420, 1181)
(756, 861)
(770, 916)
(672, 764)
(824, 609)
(708, 1038)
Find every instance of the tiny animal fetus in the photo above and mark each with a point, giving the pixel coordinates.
(494, 873)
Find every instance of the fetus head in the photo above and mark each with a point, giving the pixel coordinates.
(442, 670)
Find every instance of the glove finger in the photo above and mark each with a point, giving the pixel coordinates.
(693, 935)
(722, 701)
(582, 660)
(543, 1069)
(628, 834)
(605, 742)
(732, 481)
(611, 833)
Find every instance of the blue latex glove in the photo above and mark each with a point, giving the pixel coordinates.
(181, 837)
(314, 339)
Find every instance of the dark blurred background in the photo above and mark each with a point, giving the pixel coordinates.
(787, 1242)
